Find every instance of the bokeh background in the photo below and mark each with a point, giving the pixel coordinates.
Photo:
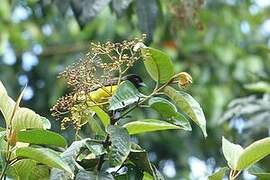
(223, 44)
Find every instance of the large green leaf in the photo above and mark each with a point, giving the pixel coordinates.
(239, 158)
(163, 106)
(259, 172)
(219, 174)
(69, 156)
(6, 103)
(253, 153)
(40, 172)
(148, 125)
(40, 136)
(158, 64)
(43, 155)
(121, 145)
(126, 94)
(188, 105)
(22, 168)
(167, 110)
(231, 152)
(25, 119)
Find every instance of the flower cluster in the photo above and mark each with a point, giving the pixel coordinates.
(104, 64)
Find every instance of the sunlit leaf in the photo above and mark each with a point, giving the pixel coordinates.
(25, 119)
(22, 168)
(188, 105)
(253, 153)
(158, 64)
(231, 152)
(45, 156)
(6, 103)
(148, 125)
(103, 116)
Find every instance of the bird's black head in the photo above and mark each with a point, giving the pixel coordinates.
(135, 80)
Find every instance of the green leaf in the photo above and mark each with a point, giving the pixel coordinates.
(218, 175)
(260, 87)
(121, 145)
(259, 172)
(147, 176)
(231, 152)
(189, 106)
(148, 125)
(6, 103)
(253, 153)
(158, 64)
(169, 112)
(103, 116)
(68, 156)
(25, 119)
(3, 145)
(40, 136)
(40, 172)
(43, 155)
(163, 106)
(181, 121)
(126, 94)
(95, 127)
(22, 169)
(141, 160)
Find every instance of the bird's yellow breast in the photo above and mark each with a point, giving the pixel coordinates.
(102, 94)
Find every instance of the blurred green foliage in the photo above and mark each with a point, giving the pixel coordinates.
(223, 44)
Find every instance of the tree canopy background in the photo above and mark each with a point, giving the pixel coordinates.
(223, 44)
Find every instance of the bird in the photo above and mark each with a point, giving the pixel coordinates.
(102, 94)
